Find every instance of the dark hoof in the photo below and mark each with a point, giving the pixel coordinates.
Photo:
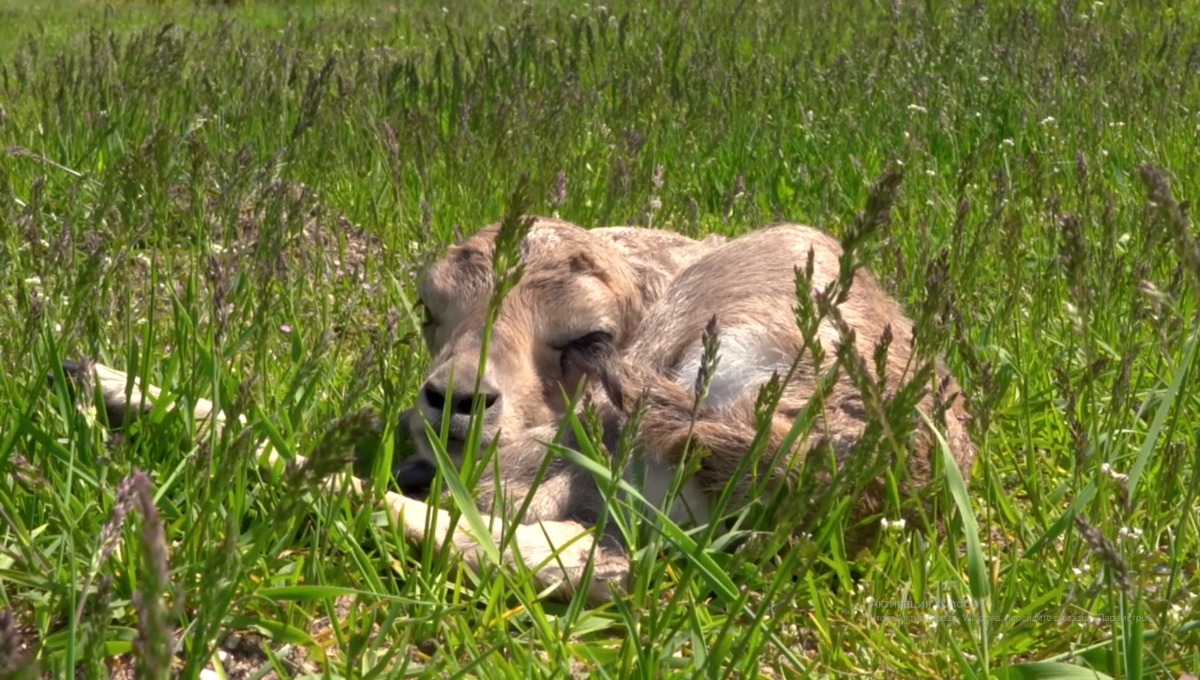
(81, 383)
(77, 373)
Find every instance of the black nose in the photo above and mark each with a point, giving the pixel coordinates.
(460, 409)
(414, 476)
(462, 405)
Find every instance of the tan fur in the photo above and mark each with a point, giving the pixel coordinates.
(748, 286)
(653, 293)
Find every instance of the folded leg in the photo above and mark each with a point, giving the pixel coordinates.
(558, 552)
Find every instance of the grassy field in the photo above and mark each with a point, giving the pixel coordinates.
(234, 202)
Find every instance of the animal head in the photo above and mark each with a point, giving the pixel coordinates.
(577, 285)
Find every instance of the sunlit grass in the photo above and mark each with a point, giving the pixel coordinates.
(233, 203)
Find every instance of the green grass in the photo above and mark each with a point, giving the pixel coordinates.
(233, 202)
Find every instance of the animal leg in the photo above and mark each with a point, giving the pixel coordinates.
(559, 552)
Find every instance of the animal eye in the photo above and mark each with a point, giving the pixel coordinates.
(585, 343)
(581, 351)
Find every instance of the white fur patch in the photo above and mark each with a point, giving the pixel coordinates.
(746, 360)
(689, 507)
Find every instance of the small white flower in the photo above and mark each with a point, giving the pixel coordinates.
(1108, 471)
(917, 108)
(1007, 141)
(1131, 533)
(1048, 120)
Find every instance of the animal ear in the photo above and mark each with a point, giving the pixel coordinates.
(584, 263)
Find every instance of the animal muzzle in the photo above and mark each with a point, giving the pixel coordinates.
(415, 476)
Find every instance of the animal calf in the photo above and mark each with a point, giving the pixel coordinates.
(630, 309)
